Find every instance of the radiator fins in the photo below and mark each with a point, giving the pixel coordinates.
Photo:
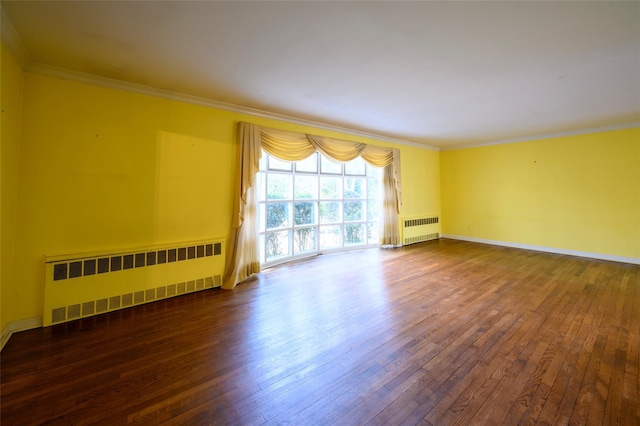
(408, 223)
(420, 229)
(421, 238)
(94, 307)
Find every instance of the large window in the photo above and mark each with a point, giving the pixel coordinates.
(315, 205)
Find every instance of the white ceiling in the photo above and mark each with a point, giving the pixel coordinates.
(437, 73)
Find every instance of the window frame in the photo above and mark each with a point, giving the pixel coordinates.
(365, 223)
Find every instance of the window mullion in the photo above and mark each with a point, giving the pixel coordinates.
(306, 203)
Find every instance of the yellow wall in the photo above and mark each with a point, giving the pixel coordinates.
(103, 168)
(420, 182)
(578, 193)
(10, 122)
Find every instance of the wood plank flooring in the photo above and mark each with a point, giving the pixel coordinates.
(439, 333)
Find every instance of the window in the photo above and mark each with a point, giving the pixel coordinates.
(315, 205)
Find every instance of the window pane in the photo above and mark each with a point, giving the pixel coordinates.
(373, 210)
(354, 233)
(330, 236)
(372, 188)
(277, 164)
(330, 211)
(328, 166)
(306, 187)
(354, 187)
(373, 171)
(309, 165)
(373, 236)
(304, 213)
(279, 186)
(353, 211)
(277, 244)
(278, 215)
(355, 167)
(304, 240)
(330, 187)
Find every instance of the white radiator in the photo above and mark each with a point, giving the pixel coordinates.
(87, 284)
(418, 229)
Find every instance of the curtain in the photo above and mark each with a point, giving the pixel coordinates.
(243, 258)
(390, 208)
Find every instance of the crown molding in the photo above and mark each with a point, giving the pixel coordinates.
(584, 131)
(92, 79)
(51, 71)
(13, 41)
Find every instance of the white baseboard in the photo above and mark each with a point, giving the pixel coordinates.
(598, 256)
(17, 326)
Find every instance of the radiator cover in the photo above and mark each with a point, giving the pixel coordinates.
(417, 229)
(82, 285)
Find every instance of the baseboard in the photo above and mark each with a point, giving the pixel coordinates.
(598, 256)
(17, 326)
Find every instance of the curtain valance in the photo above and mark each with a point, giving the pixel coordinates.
(292, 146)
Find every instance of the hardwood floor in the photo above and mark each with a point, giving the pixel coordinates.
(439, 333)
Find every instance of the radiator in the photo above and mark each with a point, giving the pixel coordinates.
(82, 285)
(420, 228)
